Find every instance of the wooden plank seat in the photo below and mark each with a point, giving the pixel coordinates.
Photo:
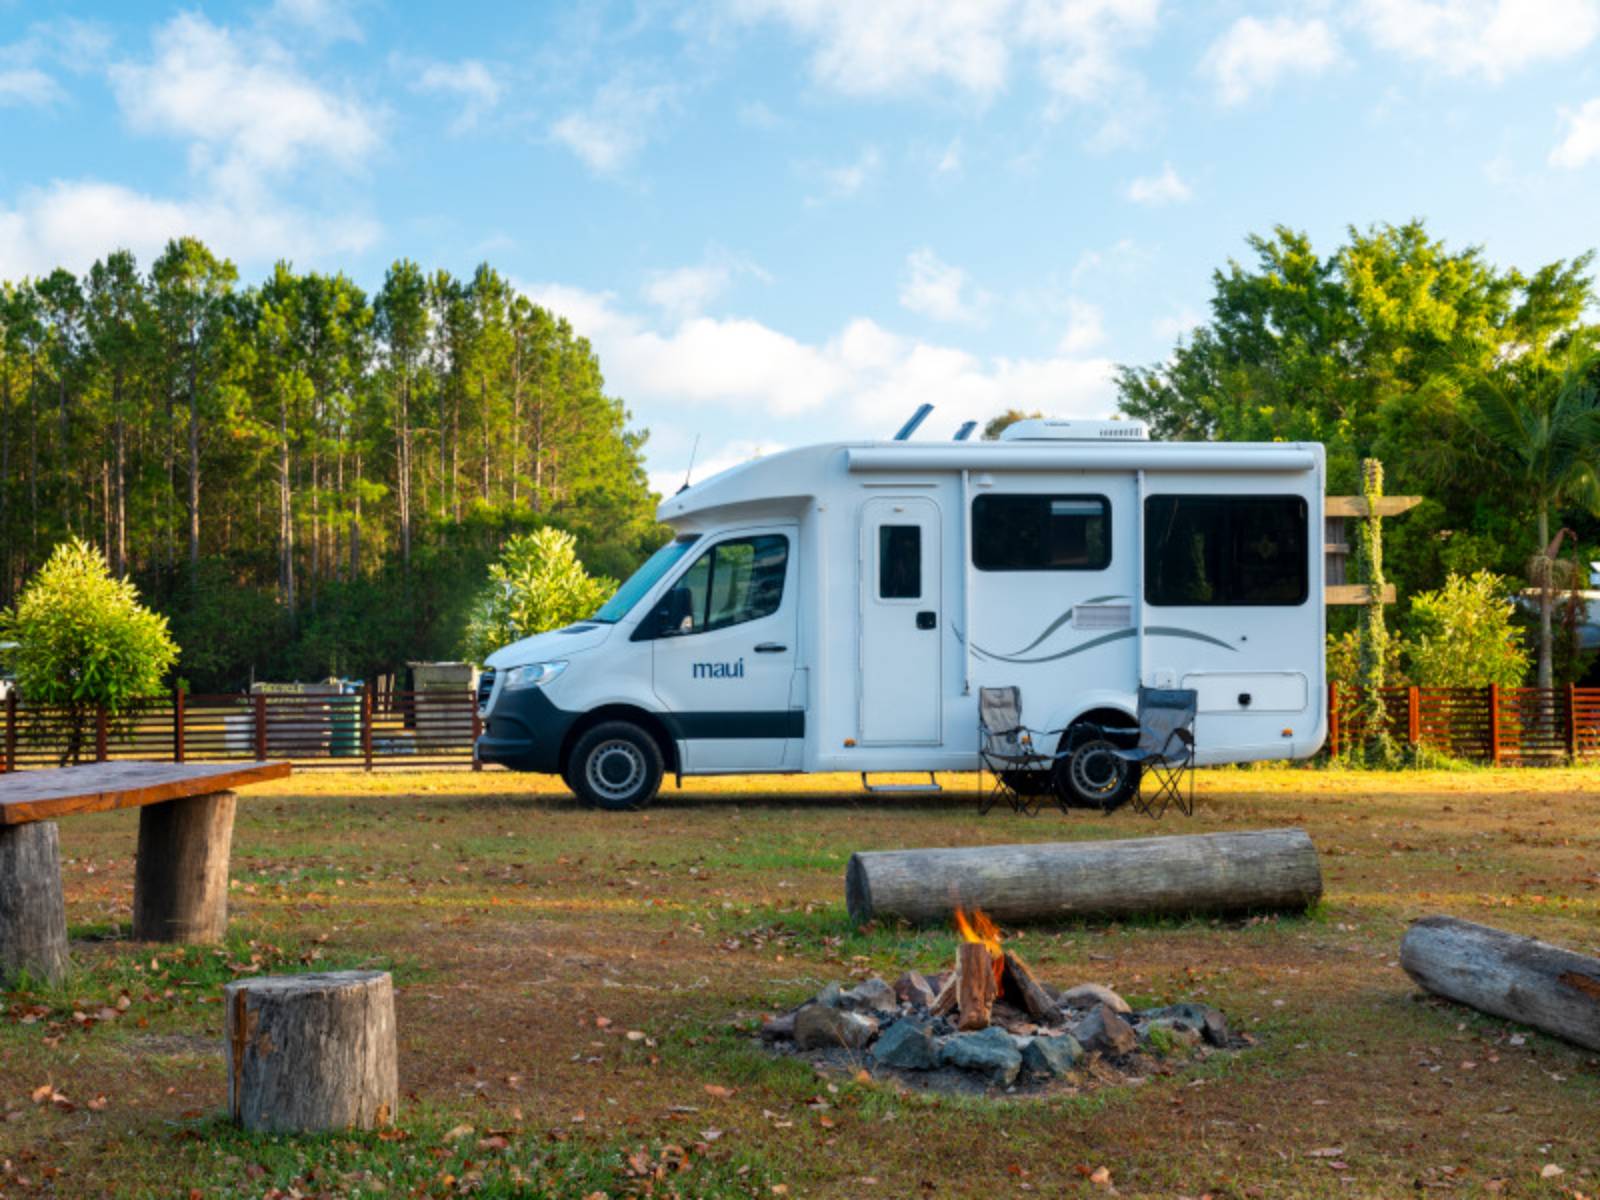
(180, 888)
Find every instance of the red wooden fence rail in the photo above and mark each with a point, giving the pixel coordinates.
(1489, 724)
(430, 728)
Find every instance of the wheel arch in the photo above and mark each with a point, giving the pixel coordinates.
(646, 720)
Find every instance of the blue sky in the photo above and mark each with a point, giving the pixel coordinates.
(783, 221)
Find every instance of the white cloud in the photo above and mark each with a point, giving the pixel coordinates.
(1580, 142)
(614, 127)
(846, 179)
(246, 108)
(328, 20)
(28, 85)
(1156, 190)
(936, 289)
(862, 381)
(468, 80)
(1254, 54)
(72, 223)
(1492, 38)
(895, 47)
(950, 161)
(1085, 327)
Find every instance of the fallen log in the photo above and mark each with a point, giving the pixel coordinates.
(1266, 870)
(1507, 975)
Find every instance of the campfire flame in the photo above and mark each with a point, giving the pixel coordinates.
(977, 927)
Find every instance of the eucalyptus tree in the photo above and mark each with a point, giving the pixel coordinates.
(118, 326)
(402, 326)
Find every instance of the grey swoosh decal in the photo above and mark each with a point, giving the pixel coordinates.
(1063, 619)
(1152, 630)
(1174, 631)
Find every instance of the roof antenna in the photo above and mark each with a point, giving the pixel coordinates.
(965, 431)
(917, 418)
(693, 450)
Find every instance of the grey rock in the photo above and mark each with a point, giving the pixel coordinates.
(1178, 1034)
(1047, 1057)
(1105, 1031)
(989, 1052)
(870, 995)
(819, 1027)
(776, 1029)
(913, 988)
(829, 995)
(907, 1045)
(1087, 995)
(1202, 1018)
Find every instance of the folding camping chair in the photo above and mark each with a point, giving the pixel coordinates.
(1165, 750)
(1010, 752)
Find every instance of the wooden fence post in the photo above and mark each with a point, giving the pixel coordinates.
(261, 726)
(1414, 715)
(1494, 723)
(477, 731)
(178, 717)
(366, 725)
(11, 730)
(1333, 720)
(101, 747)
(1572, 723)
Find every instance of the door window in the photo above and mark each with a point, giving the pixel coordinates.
(899, 562)
(733, 582)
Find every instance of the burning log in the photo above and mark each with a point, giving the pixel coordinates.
(1035, 1000)
(1266, 870)
(1510, 976)
(976, 987)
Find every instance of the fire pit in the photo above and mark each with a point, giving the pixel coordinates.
(989, 1022)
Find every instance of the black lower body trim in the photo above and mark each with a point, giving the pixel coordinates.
(782, 723)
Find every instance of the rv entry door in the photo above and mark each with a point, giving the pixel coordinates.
(725, 652)
(901, 622)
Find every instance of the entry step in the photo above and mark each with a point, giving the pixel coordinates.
(931, 786)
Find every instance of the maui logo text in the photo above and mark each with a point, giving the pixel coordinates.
(722, 670)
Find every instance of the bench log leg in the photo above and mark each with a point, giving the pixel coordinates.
(33, 917)
(180, 881)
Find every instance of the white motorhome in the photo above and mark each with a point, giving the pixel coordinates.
(837, 607)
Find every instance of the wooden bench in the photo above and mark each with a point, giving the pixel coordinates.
(180, 883)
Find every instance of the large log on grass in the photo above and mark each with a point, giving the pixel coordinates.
(311, 1053)
(1268, 870)
(1507, 975)
(33, 917)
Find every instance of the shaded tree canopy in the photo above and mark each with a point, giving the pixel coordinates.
(305, 478)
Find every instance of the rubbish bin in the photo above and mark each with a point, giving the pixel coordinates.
(344, 725)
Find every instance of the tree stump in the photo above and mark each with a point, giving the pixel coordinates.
(33, 916)
(312, 1053)
(1507, 975)
(180, 884)
(1267, 870)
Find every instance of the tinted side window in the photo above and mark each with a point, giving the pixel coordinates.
(1225, 550)
(899, 562)
(732, 582)
(1041, 533)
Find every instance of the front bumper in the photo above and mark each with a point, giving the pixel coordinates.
(525, 732)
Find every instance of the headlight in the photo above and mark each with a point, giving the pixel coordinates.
(532, 675)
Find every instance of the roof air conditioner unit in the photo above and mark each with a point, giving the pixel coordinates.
(1053, 429)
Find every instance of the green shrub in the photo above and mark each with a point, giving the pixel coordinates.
(539, 584)
(1462, 635)
(85, 641)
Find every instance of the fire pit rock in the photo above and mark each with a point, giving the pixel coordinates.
(990, 1052)
(905, 1032)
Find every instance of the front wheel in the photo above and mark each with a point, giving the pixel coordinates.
(1094, 776)
(615, 766)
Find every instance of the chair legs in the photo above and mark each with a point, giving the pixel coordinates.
(1173, 787)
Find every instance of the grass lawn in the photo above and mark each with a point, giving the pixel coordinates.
(576, 991)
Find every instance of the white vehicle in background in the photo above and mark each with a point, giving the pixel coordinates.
(837, 607)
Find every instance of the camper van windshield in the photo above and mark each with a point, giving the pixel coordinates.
(645, 578)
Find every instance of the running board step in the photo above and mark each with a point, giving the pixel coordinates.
(931, 786)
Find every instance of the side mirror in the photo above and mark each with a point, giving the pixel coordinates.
(676, 607)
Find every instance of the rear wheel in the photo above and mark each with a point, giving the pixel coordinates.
(1093, 776)
(615, 766)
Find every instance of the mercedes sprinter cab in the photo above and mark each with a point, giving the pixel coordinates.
(837, 607)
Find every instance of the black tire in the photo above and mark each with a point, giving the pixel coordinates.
(615, 766)
(1093, 777)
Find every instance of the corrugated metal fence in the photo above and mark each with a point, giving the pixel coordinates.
(433, 728)
(1526, 726)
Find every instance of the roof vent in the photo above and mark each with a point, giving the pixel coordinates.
(1053, 429)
